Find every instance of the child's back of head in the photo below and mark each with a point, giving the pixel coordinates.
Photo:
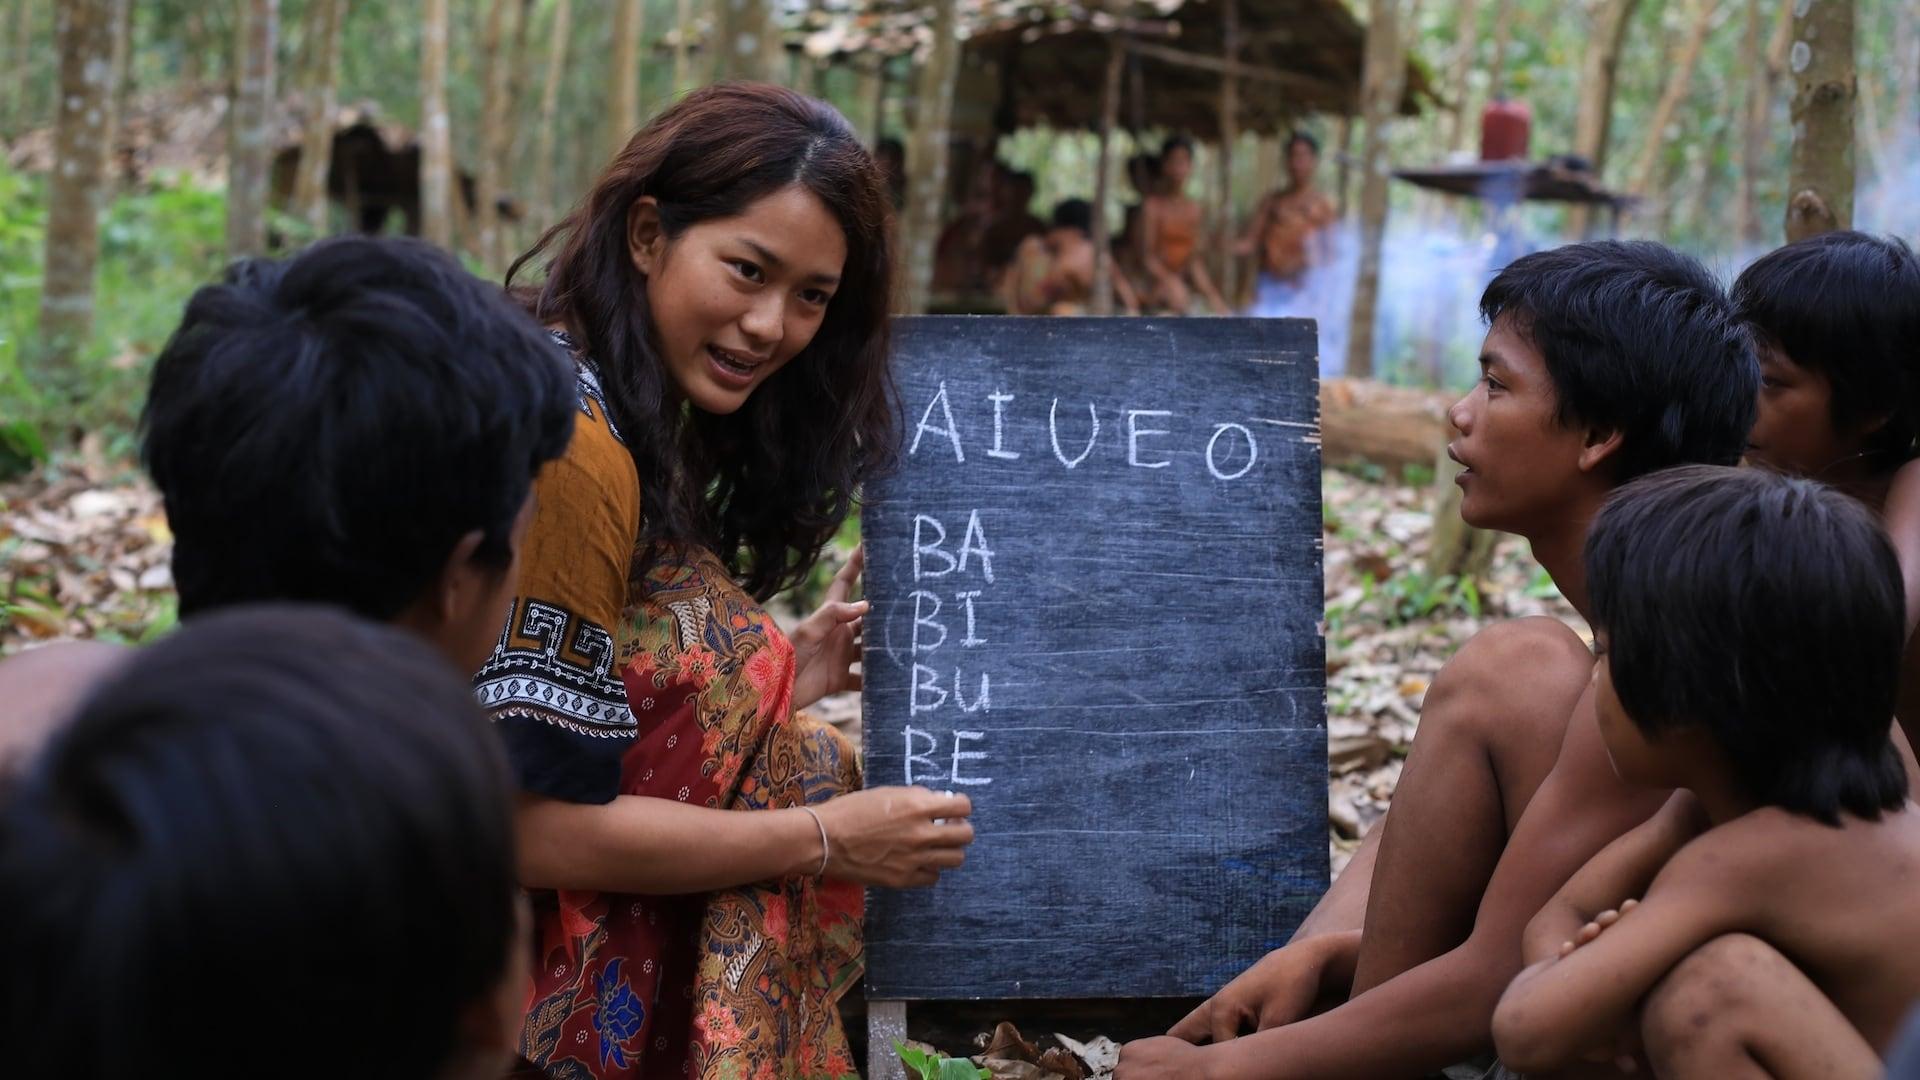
(327, 428)
(1767, 611)
(277, 843)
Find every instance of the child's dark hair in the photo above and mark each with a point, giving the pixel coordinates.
(1299, 136)
(1846, 304)
(1767, 610)
(1073, 214)
(327, 428)
(1638, 338)
(278, 842)
(1176, 142)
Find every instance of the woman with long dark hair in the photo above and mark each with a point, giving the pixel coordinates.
(694, 847)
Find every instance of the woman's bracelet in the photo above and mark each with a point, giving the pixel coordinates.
(825, 848)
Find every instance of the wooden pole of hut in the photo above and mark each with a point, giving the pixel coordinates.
(1103, 180)
(927, 155)
(1229, 134)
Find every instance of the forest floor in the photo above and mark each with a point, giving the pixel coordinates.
(84, 546)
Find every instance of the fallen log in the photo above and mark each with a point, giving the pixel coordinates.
(1362, 421)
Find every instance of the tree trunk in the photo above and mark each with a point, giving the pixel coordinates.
(1820, 178)
(541, 205)
(682, 44)
(83, 32)
(1753, 129)
(316, 147)
(1465, 38)
(112, 136)
(1342, 163)
(1503, 17)
(927, 154)
(747, 43)
(623, 119)
(250, 128)
(1103, 181)
(1229, 278)
(1593, 123)
(496, 128)
(1382, 84)
(1700, 19)
(436, 140)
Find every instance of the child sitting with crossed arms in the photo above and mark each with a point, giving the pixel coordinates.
(1749, 630)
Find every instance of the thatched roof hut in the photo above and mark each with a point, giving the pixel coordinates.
(1044, 63)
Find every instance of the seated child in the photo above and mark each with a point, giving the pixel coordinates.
(1837, 321)
(276, 843)
(1052, 273)
(1748, 628)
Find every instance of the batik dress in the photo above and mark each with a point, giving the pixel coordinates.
(619, 676)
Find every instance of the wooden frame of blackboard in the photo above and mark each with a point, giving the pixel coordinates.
(1096, 577)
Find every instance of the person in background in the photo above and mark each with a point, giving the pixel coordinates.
(695, 842)
(1290, 234)
(1171, 224)
(1052, 274)
(1013, 221)
(278, 842)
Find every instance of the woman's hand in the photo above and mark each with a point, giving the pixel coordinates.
(827, 644)
(899, 837)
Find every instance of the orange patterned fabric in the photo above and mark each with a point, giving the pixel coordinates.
(740, 984)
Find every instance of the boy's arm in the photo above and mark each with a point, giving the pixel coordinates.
(1621, 872)
(1442, 1011)
(1560, 1008)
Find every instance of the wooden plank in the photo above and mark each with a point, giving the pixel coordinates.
(1097, 587)
(886, 1024)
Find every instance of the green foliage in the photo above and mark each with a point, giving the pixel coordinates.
(925, 1066)
(1409, 596)
(156, 246)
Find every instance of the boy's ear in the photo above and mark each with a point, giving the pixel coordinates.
(1600, 445)
(646, 238)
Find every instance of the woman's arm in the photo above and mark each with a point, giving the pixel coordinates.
(895, 837)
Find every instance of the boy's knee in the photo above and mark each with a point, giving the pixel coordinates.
(1512, 681)
(1702, 997)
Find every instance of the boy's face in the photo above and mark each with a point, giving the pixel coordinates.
(1175, 168)
(1793, 429)
(1521, 464)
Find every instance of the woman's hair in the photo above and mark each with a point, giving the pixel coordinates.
(766, 486)
(1767, 611)
(276, 843)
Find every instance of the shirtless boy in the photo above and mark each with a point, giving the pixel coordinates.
(1749, 630)
(1603, 362)
(1171, 225)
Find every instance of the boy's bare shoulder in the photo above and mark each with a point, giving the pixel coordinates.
(1772, 847)
(43, 686)
(1516, 660)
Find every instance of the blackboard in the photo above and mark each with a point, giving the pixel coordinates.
(1096, 580)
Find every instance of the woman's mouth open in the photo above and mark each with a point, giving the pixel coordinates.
(731, 368)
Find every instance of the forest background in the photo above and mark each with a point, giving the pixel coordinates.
(185, 101)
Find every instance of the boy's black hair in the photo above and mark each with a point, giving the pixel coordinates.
(1073, 214)
(327, 428)
(277, 843)
(1846, 304)
(1299, 136)
(1176, 142)
(1640, 339)
(1767, 610)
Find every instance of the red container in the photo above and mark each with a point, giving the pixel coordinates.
(1504, 126)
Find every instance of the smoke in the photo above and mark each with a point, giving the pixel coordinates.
(1435, 261)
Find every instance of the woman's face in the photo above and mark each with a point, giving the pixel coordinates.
(733, 299)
